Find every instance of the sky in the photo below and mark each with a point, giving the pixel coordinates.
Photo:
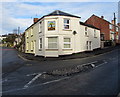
(20, 14)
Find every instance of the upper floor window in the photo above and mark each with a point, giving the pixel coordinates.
(117, 29)
(32, 45)
(40, 27)
(52, 42)
(66, 23)
(40, 43)
(86, 31)
(95, 33)
(32, 31)
(110, 26)
(51, 25)
(67, 43)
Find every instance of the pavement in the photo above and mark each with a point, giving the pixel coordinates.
(31, 77)
(26, 56)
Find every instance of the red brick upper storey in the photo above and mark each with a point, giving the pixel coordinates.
(100, 23)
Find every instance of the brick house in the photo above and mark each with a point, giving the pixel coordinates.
(102, 24)
(106, 28)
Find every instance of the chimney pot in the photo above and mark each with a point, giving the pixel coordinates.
(102, 17)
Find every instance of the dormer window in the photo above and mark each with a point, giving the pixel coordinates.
(66, 23)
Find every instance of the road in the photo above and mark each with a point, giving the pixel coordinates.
(10, 60)
(29, 79)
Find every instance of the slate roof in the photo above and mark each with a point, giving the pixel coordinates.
(61, 13)
(56, 13)
(88, 25)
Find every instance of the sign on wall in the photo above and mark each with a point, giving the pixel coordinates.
(51, 25)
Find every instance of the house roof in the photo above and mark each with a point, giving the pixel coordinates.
(99, 18)
(88, 25)
(61, 13)
(56, 13)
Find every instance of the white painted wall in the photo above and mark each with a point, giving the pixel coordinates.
(78, 41)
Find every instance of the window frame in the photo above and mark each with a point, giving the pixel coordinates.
(31, 31)
(40, 43)
(86, 31)
(68, 24)
(66, 42)
(95, 33)
(52, 42)
(31, 46)
(110, 26)
(40, 27)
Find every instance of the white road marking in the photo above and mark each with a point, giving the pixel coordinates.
(30, 82)
(90, 63)
(102, 64)
(23, 58)
(36, 77)
(93, 65)
(36, 85)
(32, 74)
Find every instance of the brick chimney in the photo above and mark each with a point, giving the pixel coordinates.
(102, 17)
(35, 20)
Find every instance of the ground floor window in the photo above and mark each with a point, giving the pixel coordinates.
(67, 43)
(32, 45)
(52, 42)
(89, 45)
(40, 43)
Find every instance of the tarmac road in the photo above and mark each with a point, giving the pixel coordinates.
(101, 80)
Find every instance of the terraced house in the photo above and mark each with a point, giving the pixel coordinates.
(60, 33)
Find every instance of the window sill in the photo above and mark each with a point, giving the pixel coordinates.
(67, 29)
(51, 49)
(86, 36)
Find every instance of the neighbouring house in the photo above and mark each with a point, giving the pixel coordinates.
(2, 42)
(114, 32)
(107, 32)
(17, 40)
(60, 33)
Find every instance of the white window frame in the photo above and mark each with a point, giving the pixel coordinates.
(31, 31)
(52, 43)
(40, 27)
(40, 43)
(88, 45)
(95, 33)
(117, 29)
(110, 26)
(86, 31)
(31, 45)
(66, 23)
(66, 42)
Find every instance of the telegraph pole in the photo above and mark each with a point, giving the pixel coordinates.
(114, 27)
(18, 33)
